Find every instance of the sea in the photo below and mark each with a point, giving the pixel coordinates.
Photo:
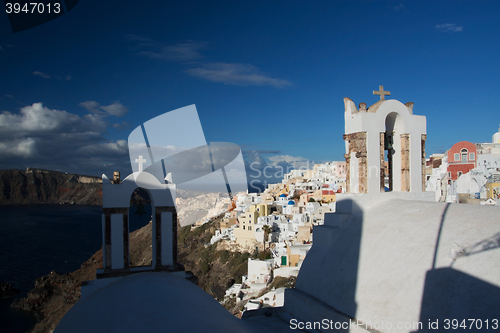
(38, 239)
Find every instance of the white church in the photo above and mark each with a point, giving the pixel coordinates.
(390, 259)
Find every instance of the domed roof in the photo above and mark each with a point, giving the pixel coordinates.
(149, 302)
(291, 203)
(282, 195)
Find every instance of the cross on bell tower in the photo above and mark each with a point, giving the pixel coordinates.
(381, 92)
(141, 161)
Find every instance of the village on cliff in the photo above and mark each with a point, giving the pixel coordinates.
(283, 216)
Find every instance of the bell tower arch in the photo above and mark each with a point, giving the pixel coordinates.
(115, 221)
(385, 146)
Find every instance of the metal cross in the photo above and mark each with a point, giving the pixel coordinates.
(381, 92)
(141, 161)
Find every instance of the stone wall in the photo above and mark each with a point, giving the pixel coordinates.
(423, 139)
(405, 162)
(382, 165)
(357, 144)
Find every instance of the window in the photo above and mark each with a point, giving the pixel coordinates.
(449, 176)
(457, 157)
(472, 156)
(249, 228)
(243, 227)
(463, 153)
(459, 173)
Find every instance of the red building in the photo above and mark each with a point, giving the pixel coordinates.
(462, 158)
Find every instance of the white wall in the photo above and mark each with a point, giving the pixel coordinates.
(259, 271)
(118, 195)
(117, 261)
(375, 266)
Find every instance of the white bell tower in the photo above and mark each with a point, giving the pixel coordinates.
(115, 220)
(384, 141)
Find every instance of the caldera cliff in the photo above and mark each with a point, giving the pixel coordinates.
(37, 186)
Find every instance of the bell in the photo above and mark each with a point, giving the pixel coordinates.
(388, 141)
(140, 210)
(388, 146)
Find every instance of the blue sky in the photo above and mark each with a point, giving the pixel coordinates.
(269, 76)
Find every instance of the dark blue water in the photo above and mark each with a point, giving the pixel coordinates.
(37, 239)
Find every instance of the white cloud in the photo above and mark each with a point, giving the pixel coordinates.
(24, 148)
(119, 147)
(45, 138)
(188, 52)
(27, 147)
(116, 109)
(237, 74)
(45, 76)
(38, 118)
(449, 27)
(121, 126)
(91, 106)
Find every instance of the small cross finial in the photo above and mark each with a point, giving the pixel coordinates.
(381, 92)
(141, 161)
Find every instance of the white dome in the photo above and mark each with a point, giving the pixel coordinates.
(496, 136)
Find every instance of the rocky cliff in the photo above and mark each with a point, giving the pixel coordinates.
(54, 294)
(7, 290)
(197, 207)
(35, 186)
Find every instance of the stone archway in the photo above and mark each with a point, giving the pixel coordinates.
(396, 144)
